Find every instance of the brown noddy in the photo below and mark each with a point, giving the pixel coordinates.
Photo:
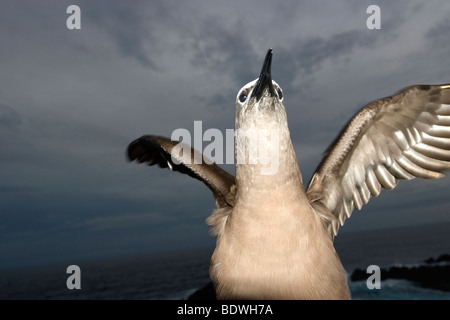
(275, 238)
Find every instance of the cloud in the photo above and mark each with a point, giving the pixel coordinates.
(437, 36)
(9, 117)
(71, 101)
(130, 25)
(298, 64)
(228, 53)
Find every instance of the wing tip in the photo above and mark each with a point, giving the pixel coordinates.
(131, 153)
(139, 147)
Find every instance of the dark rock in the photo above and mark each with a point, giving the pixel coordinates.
(359, 275)
(430, 276)
(441, 258)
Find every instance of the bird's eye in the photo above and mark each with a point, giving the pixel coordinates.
(243, 96)
(280, 93)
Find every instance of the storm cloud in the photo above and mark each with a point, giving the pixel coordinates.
(72, 100)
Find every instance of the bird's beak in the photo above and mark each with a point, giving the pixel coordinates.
(265, 78)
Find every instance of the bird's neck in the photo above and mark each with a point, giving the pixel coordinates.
(265, 157)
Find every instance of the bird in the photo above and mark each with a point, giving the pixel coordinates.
(274, 236)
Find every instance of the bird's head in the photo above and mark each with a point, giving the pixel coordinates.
(261, 123)
(262, 94)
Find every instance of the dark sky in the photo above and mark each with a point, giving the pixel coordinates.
(72, 100)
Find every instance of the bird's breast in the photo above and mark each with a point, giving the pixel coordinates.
(275, 250)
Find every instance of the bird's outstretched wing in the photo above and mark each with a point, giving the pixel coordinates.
(161, 151)
(399, 137)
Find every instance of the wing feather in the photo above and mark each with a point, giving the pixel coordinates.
(396, 138)
(155, 150)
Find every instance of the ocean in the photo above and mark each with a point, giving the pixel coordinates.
(176, 275)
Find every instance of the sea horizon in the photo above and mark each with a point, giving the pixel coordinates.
(177, 274)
